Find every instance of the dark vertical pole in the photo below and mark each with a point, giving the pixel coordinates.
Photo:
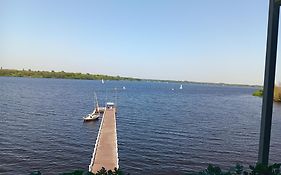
(269, 78)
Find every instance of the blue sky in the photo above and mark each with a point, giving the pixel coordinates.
(209, 40)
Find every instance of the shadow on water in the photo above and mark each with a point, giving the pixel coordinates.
(92, 124)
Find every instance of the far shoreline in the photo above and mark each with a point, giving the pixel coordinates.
(87, 76)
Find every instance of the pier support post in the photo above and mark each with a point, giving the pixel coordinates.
(269, 79)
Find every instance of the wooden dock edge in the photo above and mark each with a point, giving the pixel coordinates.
(96, 144)
(116, 140)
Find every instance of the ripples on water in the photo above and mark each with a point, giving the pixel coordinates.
(159, 130)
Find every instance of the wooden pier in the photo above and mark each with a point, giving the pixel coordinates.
(106, 151)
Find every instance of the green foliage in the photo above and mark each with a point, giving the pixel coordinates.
(238, 169)
(212, 170)
(102, 171)
(78, 172)
(277, 93)
(61, 74)
(259, 169)
(258, 93)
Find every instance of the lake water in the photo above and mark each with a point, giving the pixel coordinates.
(160, 131)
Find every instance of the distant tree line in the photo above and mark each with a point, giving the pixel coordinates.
(70, 75)
(61, 74)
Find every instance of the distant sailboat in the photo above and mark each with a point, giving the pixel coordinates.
(102, 81)
(181, 86)
(172, 89)
(124, 88)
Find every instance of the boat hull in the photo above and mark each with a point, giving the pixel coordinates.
(91, 117)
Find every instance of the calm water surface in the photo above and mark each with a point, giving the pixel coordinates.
(160, 131)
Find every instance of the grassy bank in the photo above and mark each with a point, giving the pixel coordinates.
(61, 74)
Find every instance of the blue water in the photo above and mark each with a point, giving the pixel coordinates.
(160, 131)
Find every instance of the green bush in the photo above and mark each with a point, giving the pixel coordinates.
(258, 169)
(102, 171)
(277, 93)
(258, 93)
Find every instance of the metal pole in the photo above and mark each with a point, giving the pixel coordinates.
(269, 78)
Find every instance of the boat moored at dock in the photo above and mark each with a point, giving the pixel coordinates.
(92, 116)
(96, 113)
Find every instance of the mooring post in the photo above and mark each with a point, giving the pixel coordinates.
(269, 79)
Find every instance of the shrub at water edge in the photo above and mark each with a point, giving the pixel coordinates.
(277, 93)
(258, 169)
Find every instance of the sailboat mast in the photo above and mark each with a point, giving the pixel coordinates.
(97, 104)
(116, 97)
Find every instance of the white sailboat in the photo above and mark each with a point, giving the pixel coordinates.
(181, 86)
(124, 88)
(91, 117)
(102, 81)
(95, 114)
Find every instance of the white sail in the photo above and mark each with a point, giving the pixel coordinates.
(181, 86)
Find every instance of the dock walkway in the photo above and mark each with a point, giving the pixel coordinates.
(106, 152)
